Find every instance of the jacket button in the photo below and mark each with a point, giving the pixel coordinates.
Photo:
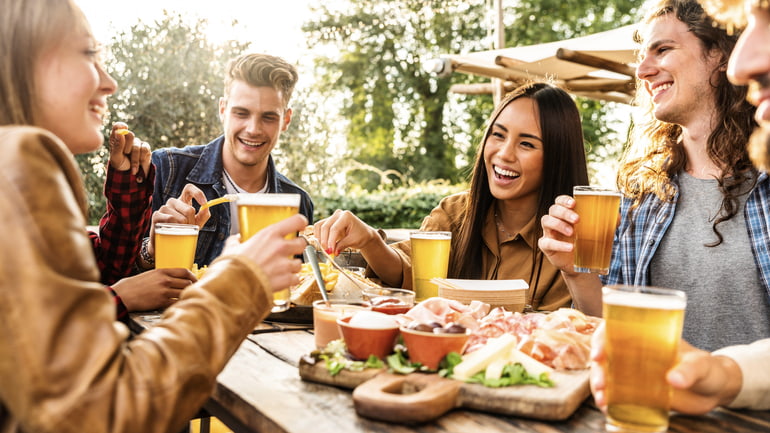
(221, 236)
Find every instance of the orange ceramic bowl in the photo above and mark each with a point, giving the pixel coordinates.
(429, 348)
(362, 342)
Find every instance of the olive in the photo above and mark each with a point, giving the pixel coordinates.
(454, 328)
(421, 327)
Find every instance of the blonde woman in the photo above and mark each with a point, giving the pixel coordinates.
(66, 365)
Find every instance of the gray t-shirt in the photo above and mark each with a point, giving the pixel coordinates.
(726, 303)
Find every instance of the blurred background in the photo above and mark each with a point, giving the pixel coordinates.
(372, 131)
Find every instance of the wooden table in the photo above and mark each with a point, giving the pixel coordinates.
(260, 391)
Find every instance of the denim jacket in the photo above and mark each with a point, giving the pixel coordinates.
(202, 166)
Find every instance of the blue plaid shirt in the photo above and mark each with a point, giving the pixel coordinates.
(637, 239)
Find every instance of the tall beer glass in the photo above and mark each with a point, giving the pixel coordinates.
(257, 211)
(644, 327)
(598, 210)
(175, 245)
(430, 259)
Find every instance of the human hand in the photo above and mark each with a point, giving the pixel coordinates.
(272, 252)
(700, 380)
(180, 211)
(128, 152)
(157, 288)
(558, 229)
(343, 230)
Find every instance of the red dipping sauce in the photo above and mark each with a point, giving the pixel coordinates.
(389, 305)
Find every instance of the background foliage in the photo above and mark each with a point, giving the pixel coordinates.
(169, 79)
(372, 132)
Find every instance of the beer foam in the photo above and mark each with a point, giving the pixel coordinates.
(430, 235)
(176, 229)
(269, 199)
(644, 300)
(597, 191)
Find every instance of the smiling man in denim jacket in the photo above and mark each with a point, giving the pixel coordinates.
(254, 111)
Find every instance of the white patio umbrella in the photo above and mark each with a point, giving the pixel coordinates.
(599, 66)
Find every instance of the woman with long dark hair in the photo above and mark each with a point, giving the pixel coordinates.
(532, 151)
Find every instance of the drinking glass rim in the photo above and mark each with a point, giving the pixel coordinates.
(646, 296)
(592, 189)
(176, 227)
(268, 199)
(430, 234)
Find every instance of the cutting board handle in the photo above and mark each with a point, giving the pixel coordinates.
(414, 398)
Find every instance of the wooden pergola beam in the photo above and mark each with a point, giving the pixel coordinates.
(601, 85)
(488, 89)
(596, 62)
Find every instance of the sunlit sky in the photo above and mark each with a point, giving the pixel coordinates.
(272, 26)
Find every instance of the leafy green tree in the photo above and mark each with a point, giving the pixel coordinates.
(400, 116)
(540, 21)
(395, 109)
(169, 81)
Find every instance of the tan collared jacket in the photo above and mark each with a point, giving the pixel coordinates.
(501, 259)
(66, 365)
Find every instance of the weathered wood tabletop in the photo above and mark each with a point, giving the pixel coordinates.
(260, 390)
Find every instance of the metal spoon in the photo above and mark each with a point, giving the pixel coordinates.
(312, 257)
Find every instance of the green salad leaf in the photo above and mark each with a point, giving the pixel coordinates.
(513, 374)
(335, 358)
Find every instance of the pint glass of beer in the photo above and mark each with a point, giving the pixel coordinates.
(175, 245)
(257, 211)
(430, 259)
(644, 327)
(598, 210)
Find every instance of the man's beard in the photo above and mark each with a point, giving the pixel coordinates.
(759, 148)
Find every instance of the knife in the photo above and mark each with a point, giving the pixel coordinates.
(312, 257)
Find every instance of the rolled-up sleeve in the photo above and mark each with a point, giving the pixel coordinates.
(753, 360)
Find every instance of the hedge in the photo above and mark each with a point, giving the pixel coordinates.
(397, 208)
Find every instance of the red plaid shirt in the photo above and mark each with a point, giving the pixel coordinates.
(122, 228)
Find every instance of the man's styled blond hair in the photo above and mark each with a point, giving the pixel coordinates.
(262, 70)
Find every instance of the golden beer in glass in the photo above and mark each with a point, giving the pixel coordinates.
(598, 210)
(430, 259)
(644, 327)
(175, 245)
(257, 211)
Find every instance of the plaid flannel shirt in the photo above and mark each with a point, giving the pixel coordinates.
(122, 228)
(635, 244)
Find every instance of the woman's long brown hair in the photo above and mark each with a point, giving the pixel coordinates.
(564, 166)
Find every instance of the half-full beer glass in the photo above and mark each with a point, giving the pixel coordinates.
(430, 259)
(598, 210)
(175, 245)
(257, 211)
(644, 327)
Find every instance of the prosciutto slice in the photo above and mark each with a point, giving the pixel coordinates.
(560, 339)
(444, 311)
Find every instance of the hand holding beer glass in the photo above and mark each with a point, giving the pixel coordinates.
(175, 245)
(257, 211)
(598, 210)
(430, 259)
(643, 331)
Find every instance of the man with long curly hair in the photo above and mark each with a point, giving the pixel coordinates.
(735, 376)
(694, 212)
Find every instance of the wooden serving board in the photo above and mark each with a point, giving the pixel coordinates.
(420, 397)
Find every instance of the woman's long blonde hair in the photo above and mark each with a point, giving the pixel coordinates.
(27, 29)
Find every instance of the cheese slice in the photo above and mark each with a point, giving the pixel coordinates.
(496, 348)
(495, 369)
(532, 365)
